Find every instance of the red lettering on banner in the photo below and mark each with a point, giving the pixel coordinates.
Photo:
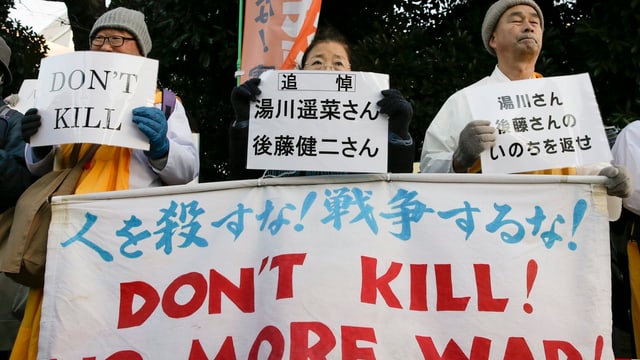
(372, 285)
(285, 264)
(350, 337)
(486, 301)
(272, 336)
(444, 285)
(175, 310)
(126, 317)
(242, 295)
(553, 348)
(480, 348)
(125, 355)
(227, 351)
(516, 348)
(120, 355)
(300, 348)
(197, 352)
(418, 287)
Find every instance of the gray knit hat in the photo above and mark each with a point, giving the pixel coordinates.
(125, 19)
(495, 12)
(5, 56)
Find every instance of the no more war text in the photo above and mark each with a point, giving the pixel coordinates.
(352, 347)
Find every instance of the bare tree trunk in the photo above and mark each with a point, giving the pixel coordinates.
(82, 15)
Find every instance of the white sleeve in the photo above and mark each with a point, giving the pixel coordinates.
(626, 152)
(183, 161)
(441, 138)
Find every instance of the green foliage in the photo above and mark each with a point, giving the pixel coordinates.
(27, 49)
(196, 43)
(611, 51)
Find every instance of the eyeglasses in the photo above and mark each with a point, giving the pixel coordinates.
(319, 65)
(114, 41)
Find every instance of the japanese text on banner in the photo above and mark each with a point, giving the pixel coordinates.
(319, 120)
(542, 124)
(388, 270)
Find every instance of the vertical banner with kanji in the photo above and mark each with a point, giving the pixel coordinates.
(276, 33)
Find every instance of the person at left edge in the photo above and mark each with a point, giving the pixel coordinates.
(14, 180)
(172, 159)
(14, 175)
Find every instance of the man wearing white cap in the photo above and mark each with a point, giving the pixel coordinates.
(512, 31)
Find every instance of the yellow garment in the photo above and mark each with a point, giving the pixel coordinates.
(26, 344)
(634, 279)
(107, 171)
(558, 171)
(476, 168)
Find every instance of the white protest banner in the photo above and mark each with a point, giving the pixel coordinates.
(439, 266)
(87, 97)
(319, 120)
(542, 124)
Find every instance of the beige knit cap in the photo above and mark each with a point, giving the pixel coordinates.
(495, 12)
(125, 19)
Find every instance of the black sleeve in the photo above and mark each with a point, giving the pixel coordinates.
(400, 158)
(238, 142)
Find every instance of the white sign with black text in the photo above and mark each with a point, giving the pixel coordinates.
(87, 97)
(542, 124)
(319, 121)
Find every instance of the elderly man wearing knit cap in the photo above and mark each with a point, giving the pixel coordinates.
(512, 32)
(172, 158)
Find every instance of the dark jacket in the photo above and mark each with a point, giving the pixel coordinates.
(14, 175)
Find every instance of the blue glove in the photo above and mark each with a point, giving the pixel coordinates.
(241, 95)
(153, 124)
(399, 110)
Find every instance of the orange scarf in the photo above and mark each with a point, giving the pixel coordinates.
(108, 170)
